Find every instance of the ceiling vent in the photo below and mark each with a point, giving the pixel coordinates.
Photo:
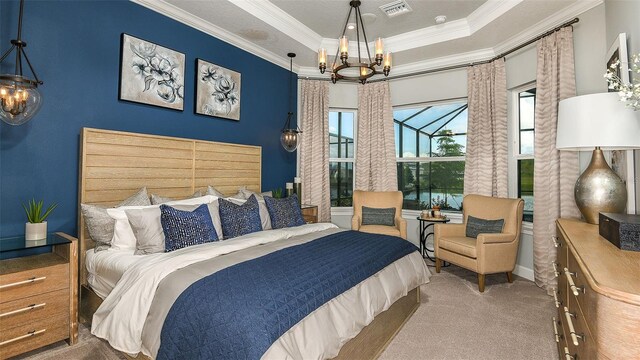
(396, 8)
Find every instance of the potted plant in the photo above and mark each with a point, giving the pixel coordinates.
(36, 227)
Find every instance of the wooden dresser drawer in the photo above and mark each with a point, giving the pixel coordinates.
(581, 342)
(34, 335)
(558, 332)
(34, 308)
(586, 298)
(31, 282)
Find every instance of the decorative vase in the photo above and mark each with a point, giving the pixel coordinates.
(35, 231)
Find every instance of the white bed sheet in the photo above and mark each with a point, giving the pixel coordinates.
(106, 267)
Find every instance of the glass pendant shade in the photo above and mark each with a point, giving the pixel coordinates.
(19, 101)
(290, 139)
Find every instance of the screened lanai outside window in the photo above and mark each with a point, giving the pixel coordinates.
(341, 156)
(430, 149)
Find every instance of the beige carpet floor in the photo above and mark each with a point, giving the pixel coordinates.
(454, 321)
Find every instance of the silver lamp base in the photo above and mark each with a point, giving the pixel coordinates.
(599, 189)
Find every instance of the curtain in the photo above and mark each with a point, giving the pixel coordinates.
(375, 163)
(555, 172)
(485, 171)
(314, 148)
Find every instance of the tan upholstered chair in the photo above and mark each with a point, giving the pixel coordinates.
(489, 253)
(379, 199)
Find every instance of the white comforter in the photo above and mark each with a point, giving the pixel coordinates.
(121, 317)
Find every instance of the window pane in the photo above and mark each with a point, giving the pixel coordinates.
(526, 142)
(445, 144)
(525, 187)
(447, 179)
(527, 109)
(333, 134)
(424, 145)
(396, 129)
(407, 184)
(341, 183)
(408, 142)
(341, 130)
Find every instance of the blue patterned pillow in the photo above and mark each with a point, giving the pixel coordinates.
(186, 228)
(284, 212)
(238, 220)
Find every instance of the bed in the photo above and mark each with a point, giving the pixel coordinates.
(115, 164)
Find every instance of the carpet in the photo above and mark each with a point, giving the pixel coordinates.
(454, 321)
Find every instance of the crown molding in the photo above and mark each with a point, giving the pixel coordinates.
(488, 12)
(427, 36)
(550, 22)
(281, 21)
(206, 27)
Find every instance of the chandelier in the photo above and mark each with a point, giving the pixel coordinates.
(290, 137)
(19, 96)
(365, 69)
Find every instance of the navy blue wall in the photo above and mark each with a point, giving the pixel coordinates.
(75, 49)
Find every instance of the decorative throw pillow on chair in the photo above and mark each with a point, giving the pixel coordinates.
(477, 226)
(378, 216)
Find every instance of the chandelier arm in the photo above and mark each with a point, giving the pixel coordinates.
(4, 56)
(364, 33)
(358, 34)
(287, 123)
(30, 67)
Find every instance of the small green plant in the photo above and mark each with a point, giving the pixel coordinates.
(34, 211)
(277, 193)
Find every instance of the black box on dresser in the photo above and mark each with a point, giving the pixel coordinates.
(622, 230)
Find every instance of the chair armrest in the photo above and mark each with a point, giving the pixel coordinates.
(401, 225)
(495, 238)
(441, 230)
(355, 222)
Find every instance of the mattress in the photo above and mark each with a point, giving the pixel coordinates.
(106, 267)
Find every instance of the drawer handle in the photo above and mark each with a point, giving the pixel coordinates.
(574, 289)
(29, 334)
(555, 298)
(556, 243)
(567, 354)
(572, 330)
(28, 281)
(555, 269)
(30, 307)
(555, 330)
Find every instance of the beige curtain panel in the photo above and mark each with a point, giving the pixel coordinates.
(314, 149)
(375, 163)
(555, 172)
(485, 171)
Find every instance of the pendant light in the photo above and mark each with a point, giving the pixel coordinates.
(290, 138)
(20, 99)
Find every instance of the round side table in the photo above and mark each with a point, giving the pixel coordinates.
(426, 229)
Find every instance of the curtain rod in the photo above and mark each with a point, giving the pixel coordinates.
(454, 67)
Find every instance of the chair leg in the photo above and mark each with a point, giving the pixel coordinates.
(481, 282)
(509, 276)
(437, 265)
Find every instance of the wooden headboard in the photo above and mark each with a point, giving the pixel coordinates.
(114, 165)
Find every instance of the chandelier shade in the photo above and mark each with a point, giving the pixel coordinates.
(290, 138)
(368, 66)
(20, 99)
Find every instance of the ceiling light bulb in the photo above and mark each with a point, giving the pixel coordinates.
(440, 19)
(351, 26)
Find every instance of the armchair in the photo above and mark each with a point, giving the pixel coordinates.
(488, 253)
(379, 199)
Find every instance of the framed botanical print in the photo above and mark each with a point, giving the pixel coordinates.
(217, 91)
(151, 74)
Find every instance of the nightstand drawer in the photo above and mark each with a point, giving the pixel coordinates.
(32, 336)
(31, 282)
(34, 308)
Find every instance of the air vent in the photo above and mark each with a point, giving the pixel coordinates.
(396, 8)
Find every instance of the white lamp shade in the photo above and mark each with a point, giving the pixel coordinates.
(588, 121)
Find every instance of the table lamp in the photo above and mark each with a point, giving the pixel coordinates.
(598, 122)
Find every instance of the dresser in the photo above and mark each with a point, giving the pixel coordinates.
(598, 295)
(38, 294)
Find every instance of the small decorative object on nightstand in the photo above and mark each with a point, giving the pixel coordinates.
(309, 213)
(38, 295)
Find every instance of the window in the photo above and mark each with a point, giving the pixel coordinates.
(341, 156)
(430, 150)
(526, 102)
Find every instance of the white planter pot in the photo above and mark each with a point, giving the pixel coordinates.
(35, 231)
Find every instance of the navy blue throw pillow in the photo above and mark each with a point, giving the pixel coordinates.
(284, 212)
(238, 220)
(186, 228)
(476, 226)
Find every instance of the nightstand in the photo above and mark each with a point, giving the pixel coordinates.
(309, 213)
(38, 294)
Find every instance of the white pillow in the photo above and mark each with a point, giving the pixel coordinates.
(123, 236)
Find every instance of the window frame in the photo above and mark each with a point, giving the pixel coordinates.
(355, 151)
(427, 159)
(514, 133)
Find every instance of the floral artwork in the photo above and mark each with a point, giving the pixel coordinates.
(151, 74)
(217, 91)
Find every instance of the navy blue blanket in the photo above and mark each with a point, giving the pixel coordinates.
(238, 312)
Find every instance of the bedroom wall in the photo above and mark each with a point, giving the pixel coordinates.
(589, 49)
(75, 48)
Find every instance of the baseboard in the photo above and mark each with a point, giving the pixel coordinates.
(523, 272)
